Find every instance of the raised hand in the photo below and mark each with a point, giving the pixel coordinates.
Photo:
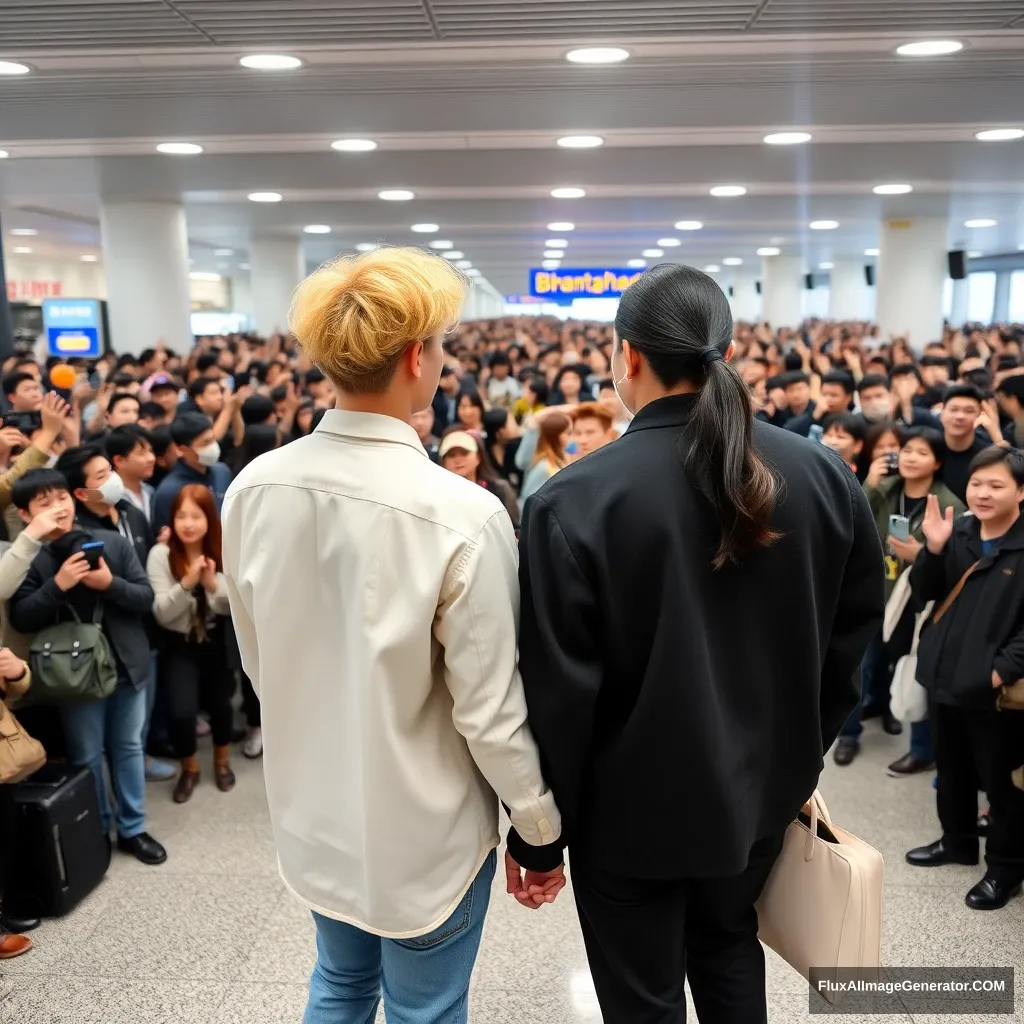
(72, 572)
(195, 572)
(936, 527)
(208, 577)
(53, 412)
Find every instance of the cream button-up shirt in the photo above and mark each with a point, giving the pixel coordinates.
(376, 601)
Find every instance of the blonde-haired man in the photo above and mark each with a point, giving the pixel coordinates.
(376, 599)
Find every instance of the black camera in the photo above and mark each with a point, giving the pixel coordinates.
(26, 422)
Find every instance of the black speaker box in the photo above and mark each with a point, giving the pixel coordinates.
(809, 282)
(958, 264)
(869, 274)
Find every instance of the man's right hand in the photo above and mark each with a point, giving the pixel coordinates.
(43, 525)
(536, 888)
(72, 572)
(936, 527)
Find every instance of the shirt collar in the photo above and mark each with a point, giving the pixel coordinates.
(671, 411)
(369, 426)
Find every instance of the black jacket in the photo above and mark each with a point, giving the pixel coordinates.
(983, 628)
(39, 602)
(444, 417)
(132, 525)
(682, 712)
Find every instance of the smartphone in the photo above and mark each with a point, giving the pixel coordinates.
(899, 527)
(816, 433)
(26, 422)
(892, 462)
(93, 551)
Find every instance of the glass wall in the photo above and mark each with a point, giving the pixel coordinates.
(981, 297)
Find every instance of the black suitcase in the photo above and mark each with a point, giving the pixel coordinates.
(62, 853)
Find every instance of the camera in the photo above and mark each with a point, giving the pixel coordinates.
(26, 422)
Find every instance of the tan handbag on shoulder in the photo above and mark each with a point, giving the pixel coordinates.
(822, 904)
(20, 754)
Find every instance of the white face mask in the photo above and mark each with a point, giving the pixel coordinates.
(877, 410)
(210, 455)
(51, 462)
(111, 491)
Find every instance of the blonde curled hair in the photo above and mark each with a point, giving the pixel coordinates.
(355, 316)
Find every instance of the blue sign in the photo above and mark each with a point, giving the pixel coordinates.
(73, 328)
(601, 283)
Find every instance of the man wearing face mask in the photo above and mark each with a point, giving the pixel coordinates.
(198, 463)
(879, 401)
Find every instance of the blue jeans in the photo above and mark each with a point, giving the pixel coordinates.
(875, 680)
(425, 980)
(921, 740)
(114, 725)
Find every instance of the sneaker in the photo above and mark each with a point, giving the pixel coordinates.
(908, 765)
(159, 771)
(846, 750)
(202, 727)
(253, 745)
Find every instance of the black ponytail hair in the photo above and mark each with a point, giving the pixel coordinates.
(679, 320)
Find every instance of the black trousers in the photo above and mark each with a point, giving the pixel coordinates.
(981, 747)
(8, 824)
(644, 938)
(197, 674)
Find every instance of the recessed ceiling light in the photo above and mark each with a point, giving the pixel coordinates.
(669, 243)
(732, 261)
(317, 229)
(561, 225)
(367, 247)
(557, 243)
(823, 225)
(453, 254)
(870, 252)
(204, 275)
(929, 48)
(892, 190)
(223, 252)
(265, 197)
(580, 141)
(826, 266)
(787, 138)
(4, 154)
(245, 266)
(88, 258)
(568, 193)
(974, 254)
(179, 148)
(769, 250)
(396, 195)
(551, 264)
(464, 264)
(553, 254)
(653, 253)
(1000, 134)
(597, 55)
(25, 232)
(441, 244)
(712, 268)
(425, 229)
(13, 67)
(354, 145)
(222, 266)
(689, 225)
(270, 62)
(981, 222)
(472, 272)
(23, 249)
(726, 191)
(635, 264)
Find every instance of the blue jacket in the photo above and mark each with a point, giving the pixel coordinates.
(217, 478)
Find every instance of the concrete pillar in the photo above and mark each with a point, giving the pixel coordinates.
(958, 310)
(849, 297)
(781, 286)
(912, 267)
(277, 268)
(145, 252)
(745, 301)
(241, 294)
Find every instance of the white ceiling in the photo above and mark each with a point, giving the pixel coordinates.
(466, 99)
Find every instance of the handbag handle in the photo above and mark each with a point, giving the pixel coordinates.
(817, 810)
(8, 726)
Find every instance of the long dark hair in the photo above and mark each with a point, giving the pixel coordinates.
(679, 320)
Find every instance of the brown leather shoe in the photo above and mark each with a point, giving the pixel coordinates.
(13, 945)
(183, 788)
(225, 777)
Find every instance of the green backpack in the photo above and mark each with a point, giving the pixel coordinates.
(72, 661)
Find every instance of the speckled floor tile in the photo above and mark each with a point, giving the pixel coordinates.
(263, 1003)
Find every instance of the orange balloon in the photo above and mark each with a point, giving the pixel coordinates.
(63, 376)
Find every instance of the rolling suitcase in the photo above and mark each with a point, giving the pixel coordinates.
(62, 853)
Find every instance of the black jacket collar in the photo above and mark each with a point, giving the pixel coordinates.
(672, 411)
(1013, 541)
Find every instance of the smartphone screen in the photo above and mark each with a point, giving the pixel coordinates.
(899, 527)
(93, 551)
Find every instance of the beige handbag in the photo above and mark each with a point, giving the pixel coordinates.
(822, 904)
(20, 755)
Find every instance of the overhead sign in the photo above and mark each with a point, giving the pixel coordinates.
(601, 283)
(522, 300)
(73, 328)
(18, 290)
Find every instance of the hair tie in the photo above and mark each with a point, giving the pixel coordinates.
(709, 355)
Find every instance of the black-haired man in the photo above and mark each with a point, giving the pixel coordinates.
(834, 397)
(964, 411)
(446, 399)
(130, 451)
(198, 463)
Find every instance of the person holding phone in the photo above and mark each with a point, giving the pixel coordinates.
(898, 503)
(190, 604)
(60, 585)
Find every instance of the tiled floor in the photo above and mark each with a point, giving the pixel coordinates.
(211, 937)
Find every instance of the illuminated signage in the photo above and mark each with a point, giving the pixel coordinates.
(19, 290)
(73, 328)
(581, 284)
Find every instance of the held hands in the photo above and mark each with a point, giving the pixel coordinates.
(99, 579)
(195, 573)
(208, 577)
(537, 888)
(936, 527)
(997, 679)
(72, 572)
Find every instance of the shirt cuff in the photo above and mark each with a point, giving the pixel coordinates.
(534, 858)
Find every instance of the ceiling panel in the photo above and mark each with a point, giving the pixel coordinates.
(879, 15)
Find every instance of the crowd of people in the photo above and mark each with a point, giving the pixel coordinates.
(135, 458)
